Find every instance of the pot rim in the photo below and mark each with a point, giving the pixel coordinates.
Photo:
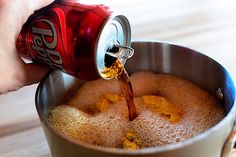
(150, 150)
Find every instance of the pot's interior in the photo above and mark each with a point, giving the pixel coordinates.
(186, 63)
(154, 56)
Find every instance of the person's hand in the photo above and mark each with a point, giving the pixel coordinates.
(14, 72)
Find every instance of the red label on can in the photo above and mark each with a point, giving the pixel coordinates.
(47, 41)
(64, 35)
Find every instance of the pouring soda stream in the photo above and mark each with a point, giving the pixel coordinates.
(119, 54)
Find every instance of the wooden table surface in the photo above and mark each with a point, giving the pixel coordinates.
(206, 25)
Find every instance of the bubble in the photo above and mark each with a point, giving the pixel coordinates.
(108, 127)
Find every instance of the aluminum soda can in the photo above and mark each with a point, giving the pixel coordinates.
(74, 37)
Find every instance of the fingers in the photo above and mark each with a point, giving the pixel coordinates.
(28, 7)
(20, 74)
(32, 5)
(14, 73)
(14, 13)
(34, 73)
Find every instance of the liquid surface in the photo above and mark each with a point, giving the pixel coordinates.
(169, 109)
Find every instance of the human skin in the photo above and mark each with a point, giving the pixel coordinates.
(14, 72)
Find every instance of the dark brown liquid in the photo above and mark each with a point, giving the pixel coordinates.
(117, 70)
(127, 91)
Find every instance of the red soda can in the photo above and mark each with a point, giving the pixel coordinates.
(74, 37)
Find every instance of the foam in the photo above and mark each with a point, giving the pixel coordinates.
(108, 128)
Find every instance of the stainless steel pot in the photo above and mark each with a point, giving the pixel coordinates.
(160, 58)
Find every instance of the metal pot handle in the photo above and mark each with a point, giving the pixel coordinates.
(230, 144)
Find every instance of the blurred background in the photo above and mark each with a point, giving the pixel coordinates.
(208, 26)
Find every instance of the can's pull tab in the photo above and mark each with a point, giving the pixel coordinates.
(121, 52)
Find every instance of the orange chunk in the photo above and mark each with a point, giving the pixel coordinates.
(163, 106)
(131, 141)
(113, 98)
(104, 103)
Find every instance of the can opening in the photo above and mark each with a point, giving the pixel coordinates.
(109, 60)
(118, 51)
